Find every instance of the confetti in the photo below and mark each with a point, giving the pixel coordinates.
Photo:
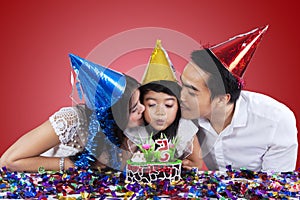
(89, 184)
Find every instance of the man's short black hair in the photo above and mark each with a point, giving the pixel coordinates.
(220, 81)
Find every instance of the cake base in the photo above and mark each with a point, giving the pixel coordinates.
(152, 171)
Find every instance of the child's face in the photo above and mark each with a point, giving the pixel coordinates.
(160, 109)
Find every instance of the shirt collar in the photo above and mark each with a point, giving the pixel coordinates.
(204, 123)
(239, 118)
(240, 114)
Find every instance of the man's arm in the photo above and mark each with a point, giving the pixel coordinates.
(282, 153)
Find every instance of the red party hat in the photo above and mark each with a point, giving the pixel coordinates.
(236, 53)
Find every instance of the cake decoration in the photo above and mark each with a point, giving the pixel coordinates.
(154, 160)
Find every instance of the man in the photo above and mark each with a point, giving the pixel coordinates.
(236, 127)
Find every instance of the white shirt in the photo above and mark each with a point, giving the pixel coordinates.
(262, 136)
(185, 134)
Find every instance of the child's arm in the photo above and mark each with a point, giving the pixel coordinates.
(195, 158)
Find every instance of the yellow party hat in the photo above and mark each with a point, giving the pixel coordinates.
(159, 66)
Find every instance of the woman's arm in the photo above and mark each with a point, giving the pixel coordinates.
(195, 158)
(24, 154)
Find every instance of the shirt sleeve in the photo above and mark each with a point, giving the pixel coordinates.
(282, 153)
(65, 123)
(137, 135)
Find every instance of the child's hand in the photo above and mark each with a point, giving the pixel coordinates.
(189, 164)
(194, 160)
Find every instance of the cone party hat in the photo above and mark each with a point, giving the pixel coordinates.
(101, 86)
(236, 53)
(159, 66)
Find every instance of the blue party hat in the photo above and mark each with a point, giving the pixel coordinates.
(101, 86)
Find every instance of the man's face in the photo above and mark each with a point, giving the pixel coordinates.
(195, 96)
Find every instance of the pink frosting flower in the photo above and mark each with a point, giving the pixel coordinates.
(146, 146)
(171, 145)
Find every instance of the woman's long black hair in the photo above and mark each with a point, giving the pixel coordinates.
(116, 119)
(120, 110)
(168, 87)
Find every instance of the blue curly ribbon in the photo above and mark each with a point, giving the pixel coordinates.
(84, 159)
(107, 124)
(101, 120)
(94, 128)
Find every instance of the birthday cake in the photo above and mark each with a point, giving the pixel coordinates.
(154, 161)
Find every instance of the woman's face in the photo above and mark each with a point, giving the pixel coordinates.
(136, 110)
(160, 109)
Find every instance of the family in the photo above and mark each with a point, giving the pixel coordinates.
(217, 122)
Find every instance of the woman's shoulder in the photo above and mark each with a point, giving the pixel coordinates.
(64, 113)
(77, 111)
(68, 121)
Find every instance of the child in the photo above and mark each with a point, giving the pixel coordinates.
(160, 94)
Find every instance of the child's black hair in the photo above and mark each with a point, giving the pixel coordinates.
(168, 87)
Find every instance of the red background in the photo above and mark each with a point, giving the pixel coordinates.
(36, 37)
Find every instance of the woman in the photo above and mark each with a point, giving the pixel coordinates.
(70, 130)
